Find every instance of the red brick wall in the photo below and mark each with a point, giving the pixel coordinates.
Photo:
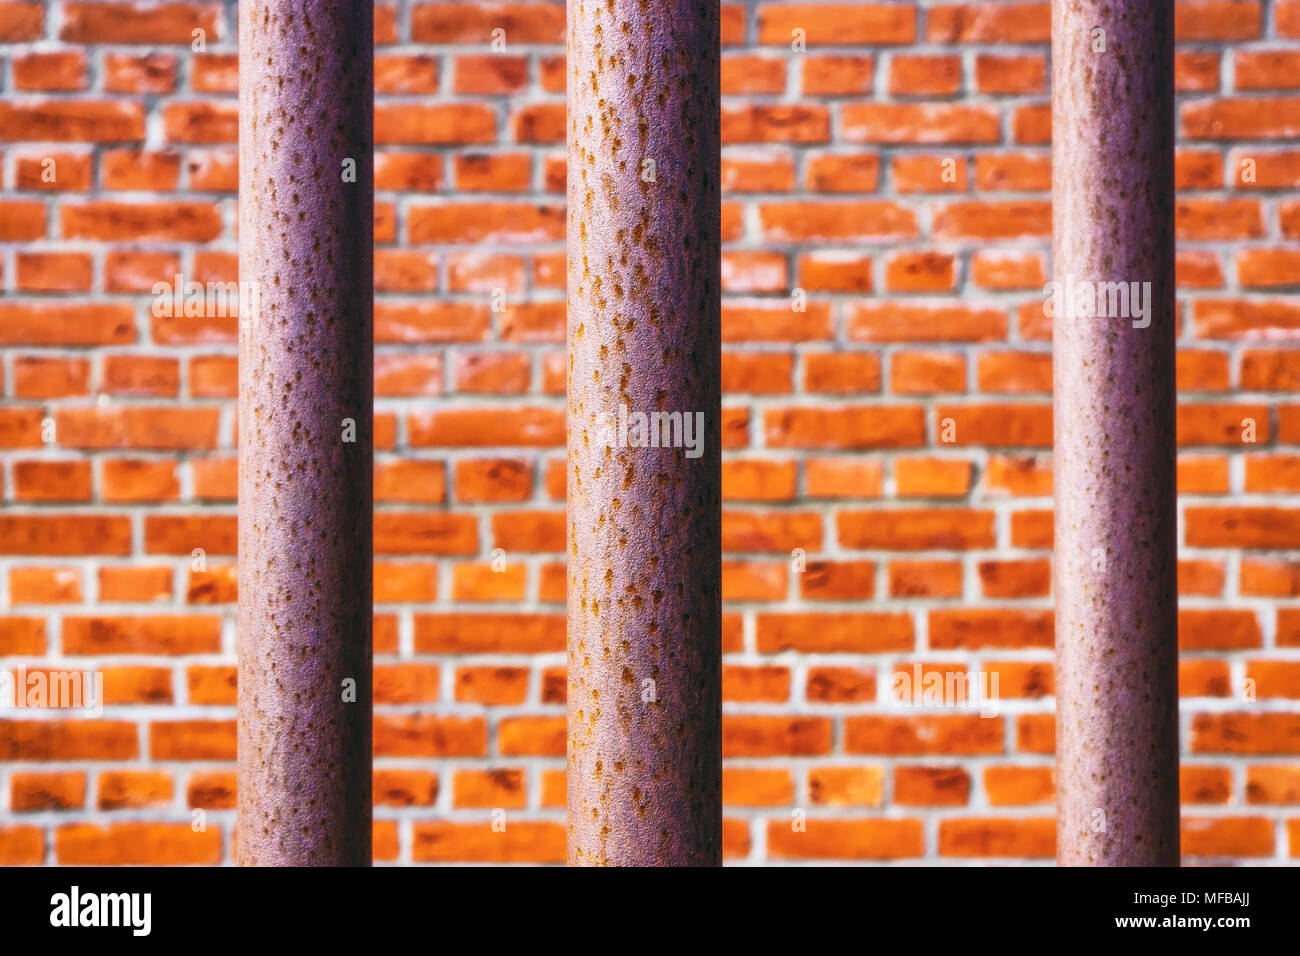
(923, 304)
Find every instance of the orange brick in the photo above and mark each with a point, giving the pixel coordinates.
(503, 787)
(1227, 836)
(34, 792)
(1011, 786)
(45, 586)
(531, 736)
(752, 684)
(519, 842)
(861, 632)
(405, 788)
(1272, 783)
(841, 685)
(756, 787)
(842, 839)
(931, 477)
(120, 789)
(502, 686)
(950, 734)
(90, 844)
(925, 578)
(21, 845)
(997, 837)
(22, 635)
(931, 786)
(847, 786)
(406, 683)
(53, 272)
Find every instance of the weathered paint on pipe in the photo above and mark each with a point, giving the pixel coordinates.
(305, 366)
(1115, 516)
(644, 533)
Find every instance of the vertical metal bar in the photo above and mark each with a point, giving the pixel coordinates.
(1115, 536)
(306, 203)
(644, 334)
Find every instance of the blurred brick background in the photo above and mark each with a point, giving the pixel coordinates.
(923, 304)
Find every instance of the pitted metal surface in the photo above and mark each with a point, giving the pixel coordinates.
(1115, 513)
(644, 561)
(305, 371)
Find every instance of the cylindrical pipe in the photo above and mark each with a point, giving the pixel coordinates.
(644, 433)
(1115, 561)
(306, 357)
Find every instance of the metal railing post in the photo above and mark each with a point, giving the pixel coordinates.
(306, 98)
(1115, 565)
(644, 435)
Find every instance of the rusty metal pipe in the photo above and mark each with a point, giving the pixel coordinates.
(1115, 517)
(644, 333)
(306, 71)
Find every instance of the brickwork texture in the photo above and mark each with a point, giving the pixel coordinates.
(887, 477)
